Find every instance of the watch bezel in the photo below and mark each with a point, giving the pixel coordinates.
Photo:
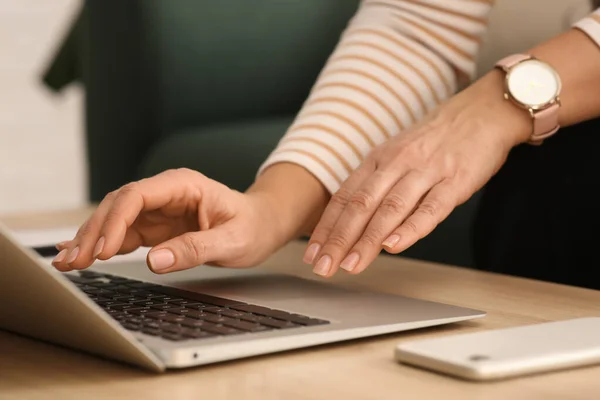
(532, 107)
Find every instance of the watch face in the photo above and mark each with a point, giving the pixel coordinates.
(533, 83)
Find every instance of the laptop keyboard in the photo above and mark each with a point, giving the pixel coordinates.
(179, 315)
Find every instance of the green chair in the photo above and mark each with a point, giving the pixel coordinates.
(208, 85)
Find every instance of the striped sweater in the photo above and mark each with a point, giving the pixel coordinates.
(396, 61)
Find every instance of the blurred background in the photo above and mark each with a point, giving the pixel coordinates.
(41, 142)
(97, 93)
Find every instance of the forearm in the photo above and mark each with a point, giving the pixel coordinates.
(575, 57)
(395, 63)
(577, 60)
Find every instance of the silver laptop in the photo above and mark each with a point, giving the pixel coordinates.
(205, 315)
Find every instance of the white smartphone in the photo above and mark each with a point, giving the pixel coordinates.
(508, 353)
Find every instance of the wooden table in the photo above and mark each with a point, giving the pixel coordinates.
(362, 369)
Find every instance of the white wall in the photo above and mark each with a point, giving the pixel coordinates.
(41, 148)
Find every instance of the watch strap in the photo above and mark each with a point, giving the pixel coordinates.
(512, 60)
(545, 123)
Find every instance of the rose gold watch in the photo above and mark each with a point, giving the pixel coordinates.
(535, 86)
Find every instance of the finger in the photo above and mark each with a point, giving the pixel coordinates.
(145, 195)
(78, 253)
(62, 245)
(352, 221)
(432, 210)
(393, 210)
(192, 249)
(334, 208)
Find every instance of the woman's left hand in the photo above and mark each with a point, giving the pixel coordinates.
(408, 185)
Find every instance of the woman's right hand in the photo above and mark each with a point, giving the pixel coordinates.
(187, 219)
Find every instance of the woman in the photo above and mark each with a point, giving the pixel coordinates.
(379, 155)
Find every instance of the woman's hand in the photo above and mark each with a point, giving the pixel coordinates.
(408, 185)
(187, 218)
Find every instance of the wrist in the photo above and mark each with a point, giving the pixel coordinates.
(484, 101)
(294, 199)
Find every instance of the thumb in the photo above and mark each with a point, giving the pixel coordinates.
(189, 250)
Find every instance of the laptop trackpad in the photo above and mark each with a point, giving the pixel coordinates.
(262, 288)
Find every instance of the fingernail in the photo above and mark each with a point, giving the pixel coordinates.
(391, 241)
(99, 247)
(323, 266)
(350, 262)
(60, 257)
(311, 253)
(161, 259)
(73, 255)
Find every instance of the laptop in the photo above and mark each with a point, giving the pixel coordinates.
(126, 313)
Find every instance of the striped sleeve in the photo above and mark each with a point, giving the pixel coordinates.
(395, 62)
(590, 25)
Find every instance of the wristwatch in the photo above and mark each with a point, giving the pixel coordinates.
(535, 86)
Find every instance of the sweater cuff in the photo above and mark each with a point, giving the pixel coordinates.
(590, 25)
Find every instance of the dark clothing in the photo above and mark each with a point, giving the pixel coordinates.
(539, 216)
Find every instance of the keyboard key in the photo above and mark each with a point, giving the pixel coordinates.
(214, 310)
(176, 319)
(157, 295)
(192, 323)
(151, 331)
(277, 323)
(99, 292)
(196, 333)
(134, 291)
(197, 314)
(108, 303)
(263, 311)
(172, 328)
(200, 306)
(165, 306)
(127, 298)
(246, 326)
(142, 285)
(114, 313)
(217, 319)
(178, 310)
(307, 321)
(220, 329)
(153, 314)
(172, 336)
(166, 325)
(131, 327)
(141, 311)
(102, 285)
(157, 302)
(184, 302)
(233, 313)
(200, 298)
(90, 274)
(251, 317)
(121, 281)
(295, 318)
(98, 298)
(114, 287)
(127, 307)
